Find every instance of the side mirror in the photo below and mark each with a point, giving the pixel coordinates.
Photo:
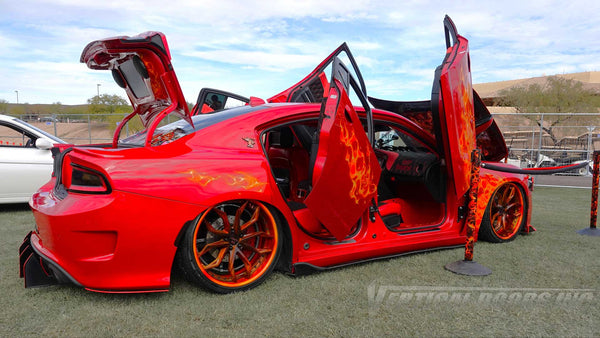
(44, 144)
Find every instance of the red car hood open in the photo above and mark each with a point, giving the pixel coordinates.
(141, 65)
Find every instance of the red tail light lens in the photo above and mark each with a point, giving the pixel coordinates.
(87, 181)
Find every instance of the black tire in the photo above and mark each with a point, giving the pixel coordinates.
(246, 230)
(504, 215)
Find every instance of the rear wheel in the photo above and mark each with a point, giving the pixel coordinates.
(232, 246)
(504, 215)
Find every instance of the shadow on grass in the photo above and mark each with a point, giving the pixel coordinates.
(14, 207)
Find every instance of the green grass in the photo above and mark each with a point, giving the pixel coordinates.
(335, 303)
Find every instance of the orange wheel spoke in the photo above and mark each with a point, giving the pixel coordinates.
(217, 260)
(210, 228)
(246, 262)
(496, 222)
(231, 268)
(506, 195)
(214, 245)
(252, 235)
(252, 220)
(511, 194)
(256, 250)
(225, 218)
(504, 222)
(513, 205)
(238, 218)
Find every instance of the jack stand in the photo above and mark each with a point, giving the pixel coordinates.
(467, 266)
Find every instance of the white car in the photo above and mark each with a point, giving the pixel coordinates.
(25, 159)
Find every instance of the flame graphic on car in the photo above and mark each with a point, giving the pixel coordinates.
(360, 173)
(201, 179)
(245, 181)
(487, 184)
(467, 136)
(238, 179)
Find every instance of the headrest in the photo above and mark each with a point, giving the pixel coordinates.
(282, 138)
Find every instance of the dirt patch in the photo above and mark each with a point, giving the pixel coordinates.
(78, 132)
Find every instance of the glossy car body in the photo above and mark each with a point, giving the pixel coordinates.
(294, 184)
(25, 159)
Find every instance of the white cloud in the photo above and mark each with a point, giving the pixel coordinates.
(261, 47)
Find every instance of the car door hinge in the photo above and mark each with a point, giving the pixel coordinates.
(372, 210)
(462, 212)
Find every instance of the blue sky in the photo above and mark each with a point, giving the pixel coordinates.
(259, 48)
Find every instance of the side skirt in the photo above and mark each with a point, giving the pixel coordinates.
(301, 269)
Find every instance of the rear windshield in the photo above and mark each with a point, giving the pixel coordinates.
(173, 131)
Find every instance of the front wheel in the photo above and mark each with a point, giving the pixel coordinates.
(232, 246)
(504, 215)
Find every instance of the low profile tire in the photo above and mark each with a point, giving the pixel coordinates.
(232, 246)
(504, 215)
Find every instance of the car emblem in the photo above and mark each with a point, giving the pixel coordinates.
(250, 141)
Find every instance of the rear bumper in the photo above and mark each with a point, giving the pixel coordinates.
(36, 269)
(120, 242)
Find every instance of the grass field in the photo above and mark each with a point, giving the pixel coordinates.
(337, 303)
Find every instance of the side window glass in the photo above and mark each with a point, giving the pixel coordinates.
(10, 137)
(231, 102)
(395, 139)
(215, 101)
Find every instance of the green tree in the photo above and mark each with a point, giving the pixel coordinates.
(3, 106)
(556, 95)
(107, 104)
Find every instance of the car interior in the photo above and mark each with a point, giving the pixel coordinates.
(411, 190)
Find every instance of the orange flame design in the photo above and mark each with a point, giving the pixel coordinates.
(239, 179)
(357, 162)
(245, 181)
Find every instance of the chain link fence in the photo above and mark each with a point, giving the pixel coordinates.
(84, 128)
(530, 145)
(534, 143)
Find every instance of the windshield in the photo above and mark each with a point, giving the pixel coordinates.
(173, 131)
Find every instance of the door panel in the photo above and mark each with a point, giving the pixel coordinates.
(452, 106)
(314, 86)
(345, 170)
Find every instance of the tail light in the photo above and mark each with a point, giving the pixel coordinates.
(80, 179)
(87, 181)
(75, 177)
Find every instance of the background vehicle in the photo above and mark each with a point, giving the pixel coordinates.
(25, 159)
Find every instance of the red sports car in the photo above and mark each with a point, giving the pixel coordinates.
(303, 181)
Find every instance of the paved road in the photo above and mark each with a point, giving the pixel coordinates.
(563, 181)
